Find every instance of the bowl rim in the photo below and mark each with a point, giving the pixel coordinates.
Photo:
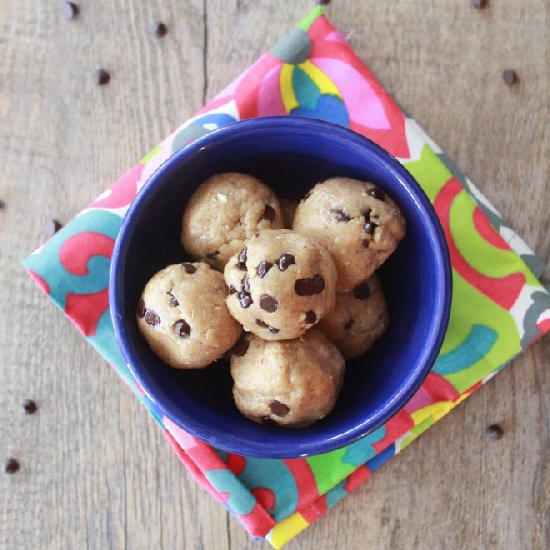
(218, 437)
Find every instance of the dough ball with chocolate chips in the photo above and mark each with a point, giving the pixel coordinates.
(183, 316)
(280, 284)
(357, 222)
(359, 318)
(223, 212)
(291, 383)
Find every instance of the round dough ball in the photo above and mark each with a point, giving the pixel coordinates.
(183, 316)
(280, 284)
(223, 212)
(358, 223)
(359, 318)
(288, 208)
(290, 383)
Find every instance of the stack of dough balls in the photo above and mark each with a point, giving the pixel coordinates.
(306, 295)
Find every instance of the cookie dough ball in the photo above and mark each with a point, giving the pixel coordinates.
(280, 284)
(289, 210)
(358, 223)
(183, 316)
(359, 318)
(223, 212)
(290, 383)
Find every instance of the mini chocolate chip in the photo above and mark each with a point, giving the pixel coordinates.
(241, 347)
(269, 213)
(340, 215)
(273, 330)
(285, 261)
(311, 317)
(29, 406)
(245, 300)
(174, 301)
(369, 228)
(361, 291)
(278, 408)
(303, 287)
(69, 10)
(231, 289)
(242, 259)
(53, 226)
(494, 432)
(141, 308)
(263, 267)
(318, 284)
(101, 77)
(158, 29)
(181, 328)
(348, 324)
(377, 194)
(261, 323)
(188, 268)
(480, 4)
(151, 318)
(245, 285)
(2, 204)
(366, 214)
(510, 77)
(11, 466)
(213, 255)
(268, 421)
(268, 303)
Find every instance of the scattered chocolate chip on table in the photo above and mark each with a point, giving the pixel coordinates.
(69, 10)
(158, 29)
(11, 466)
(510, 77)
(29, 406)
(494, 432)
(101, 77)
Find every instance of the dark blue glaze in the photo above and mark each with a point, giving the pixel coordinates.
(290, 154)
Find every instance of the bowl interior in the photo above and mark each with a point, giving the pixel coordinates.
(290, 159)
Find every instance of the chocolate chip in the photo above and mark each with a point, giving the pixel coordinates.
(285, 261)
(362, 291)
(69, 10)
(151, 318)
(494, 432)
(369, 228)
(510, 77)
(188, 268)
(377, 193)
(348, 324)
(263, 267)
(318, 284)
(181, 328)
(140, 310)
(53, 226)
(242, 259)
(231, 289)
(268, 421)
(261, 323)
(241, 347)
(101, 77)
(245, 300)
(366, 214)
(174, 301)
(311, 317)
(11, 466)
(158, 29)
(2, 204)
(273, 330)
(278, 408)
(303, 287)
(29, 406)
(245, 285)
(480, 4)
(340, 215)
(268, 303)
(213, 255)
(269, 213)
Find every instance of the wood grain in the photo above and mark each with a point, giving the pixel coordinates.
(95, 470)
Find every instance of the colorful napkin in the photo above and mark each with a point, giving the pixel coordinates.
(498, 308)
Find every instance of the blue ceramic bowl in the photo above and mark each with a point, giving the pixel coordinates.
(290, 154)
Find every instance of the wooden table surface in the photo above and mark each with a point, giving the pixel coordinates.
(96, 471)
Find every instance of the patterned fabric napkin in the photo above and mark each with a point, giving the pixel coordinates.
(498, 309)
